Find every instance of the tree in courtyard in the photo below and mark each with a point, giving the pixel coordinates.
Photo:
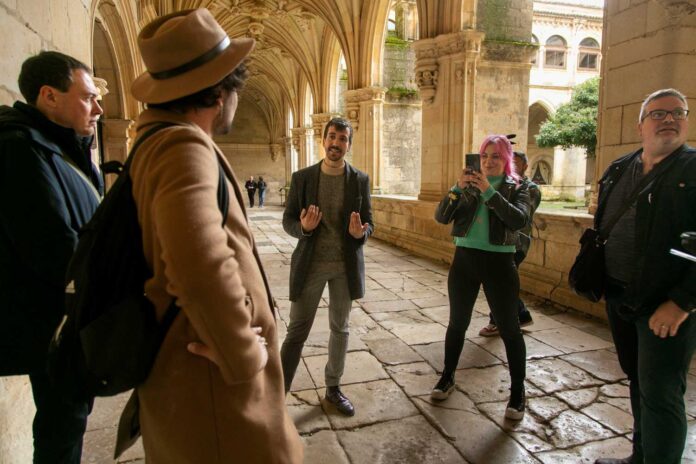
(575, 123)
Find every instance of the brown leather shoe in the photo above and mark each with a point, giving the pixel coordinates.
(628, 460)
(335, 396)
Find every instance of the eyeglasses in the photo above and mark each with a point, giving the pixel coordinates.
(678, 114)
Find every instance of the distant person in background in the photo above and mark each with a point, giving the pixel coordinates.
(261, 186)
(524, 240)
(250, 187)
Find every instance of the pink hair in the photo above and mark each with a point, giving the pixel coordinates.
(504, 149)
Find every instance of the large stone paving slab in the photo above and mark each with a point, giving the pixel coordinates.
(689, 455)
(378, 295)
(408, 441)
(472, 356)
(420, 333)
(553, 375)
(610, 416)
(570, 340)
(535, 348)
(485, 384)
(323, 447)
(387, 306)
(374, 402)
(437, 313)
(306, 411)
(602, 364)
(360, 366)
(392, 351)
(405, 318)
(416, 379)
(588, 453)
(476, 437)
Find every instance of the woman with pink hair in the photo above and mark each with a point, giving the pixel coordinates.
(487, 208)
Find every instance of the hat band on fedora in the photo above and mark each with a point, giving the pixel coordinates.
(196, 62)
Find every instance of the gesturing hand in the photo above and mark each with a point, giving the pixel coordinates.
(310, 218)
(356, 229)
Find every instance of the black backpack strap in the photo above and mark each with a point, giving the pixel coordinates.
(223, 195)
(151, 131)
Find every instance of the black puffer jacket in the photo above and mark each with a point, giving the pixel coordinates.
(44, 202)
(509, 207)
(664, 210)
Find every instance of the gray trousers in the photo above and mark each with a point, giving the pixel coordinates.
(302, 313)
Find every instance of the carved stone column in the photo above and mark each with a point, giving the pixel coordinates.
(446, 74)
(287, 147)
(302, 137)
(116, 138)
(364, 108)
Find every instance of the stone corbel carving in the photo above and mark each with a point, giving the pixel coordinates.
(354, 97)
(276, 151)
(426, 78)
(677, 10)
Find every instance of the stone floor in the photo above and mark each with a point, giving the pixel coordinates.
(577, 409)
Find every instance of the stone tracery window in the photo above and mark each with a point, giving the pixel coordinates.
(555, 56)
(588, 57)
(541, 173)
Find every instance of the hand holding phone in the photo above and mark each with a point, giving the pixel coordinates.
(473, 162)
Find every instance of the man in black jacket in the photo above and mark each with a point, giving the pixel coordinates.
(327, 204)
(651, 294)
(49, 189)
(250, 187)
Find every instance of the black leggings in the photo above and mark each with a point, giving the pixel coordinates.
(501, 285)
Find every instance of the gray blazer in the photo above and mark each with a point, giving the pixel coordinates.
(304, 191)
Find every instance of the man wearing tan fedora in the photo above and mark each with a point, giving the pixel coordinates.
(215, 393)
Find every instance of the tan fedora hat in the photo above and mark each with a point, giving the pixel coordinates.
(185, 52)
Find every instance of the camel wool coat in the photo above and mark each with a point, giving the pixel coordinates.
(191, 410)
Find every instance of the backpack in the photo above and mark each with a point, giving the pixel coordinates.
(109, 336)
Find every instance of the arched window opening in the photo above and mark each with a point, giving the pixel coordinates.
(541, 173)
(555, 56)
(588, 57)
(341, 85)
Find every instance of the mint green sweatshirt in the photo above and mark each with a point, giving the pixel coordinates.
(477, 237)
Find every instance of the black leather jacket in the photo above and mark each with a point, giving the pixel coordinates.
(509, 205)
(664, 209)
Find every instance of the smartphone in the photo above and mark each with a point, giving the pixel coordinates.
(473, 162)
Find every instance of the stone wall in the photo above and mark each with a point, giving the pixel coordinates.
(653, 40)
(32, 25)
(401, 148)
(497, 111)
(399, 64)
(409, 224)
(401, 121)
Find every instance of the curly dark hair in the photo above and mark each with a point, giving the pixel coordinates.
(47, 68)
(340, 124)
(207, 97)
